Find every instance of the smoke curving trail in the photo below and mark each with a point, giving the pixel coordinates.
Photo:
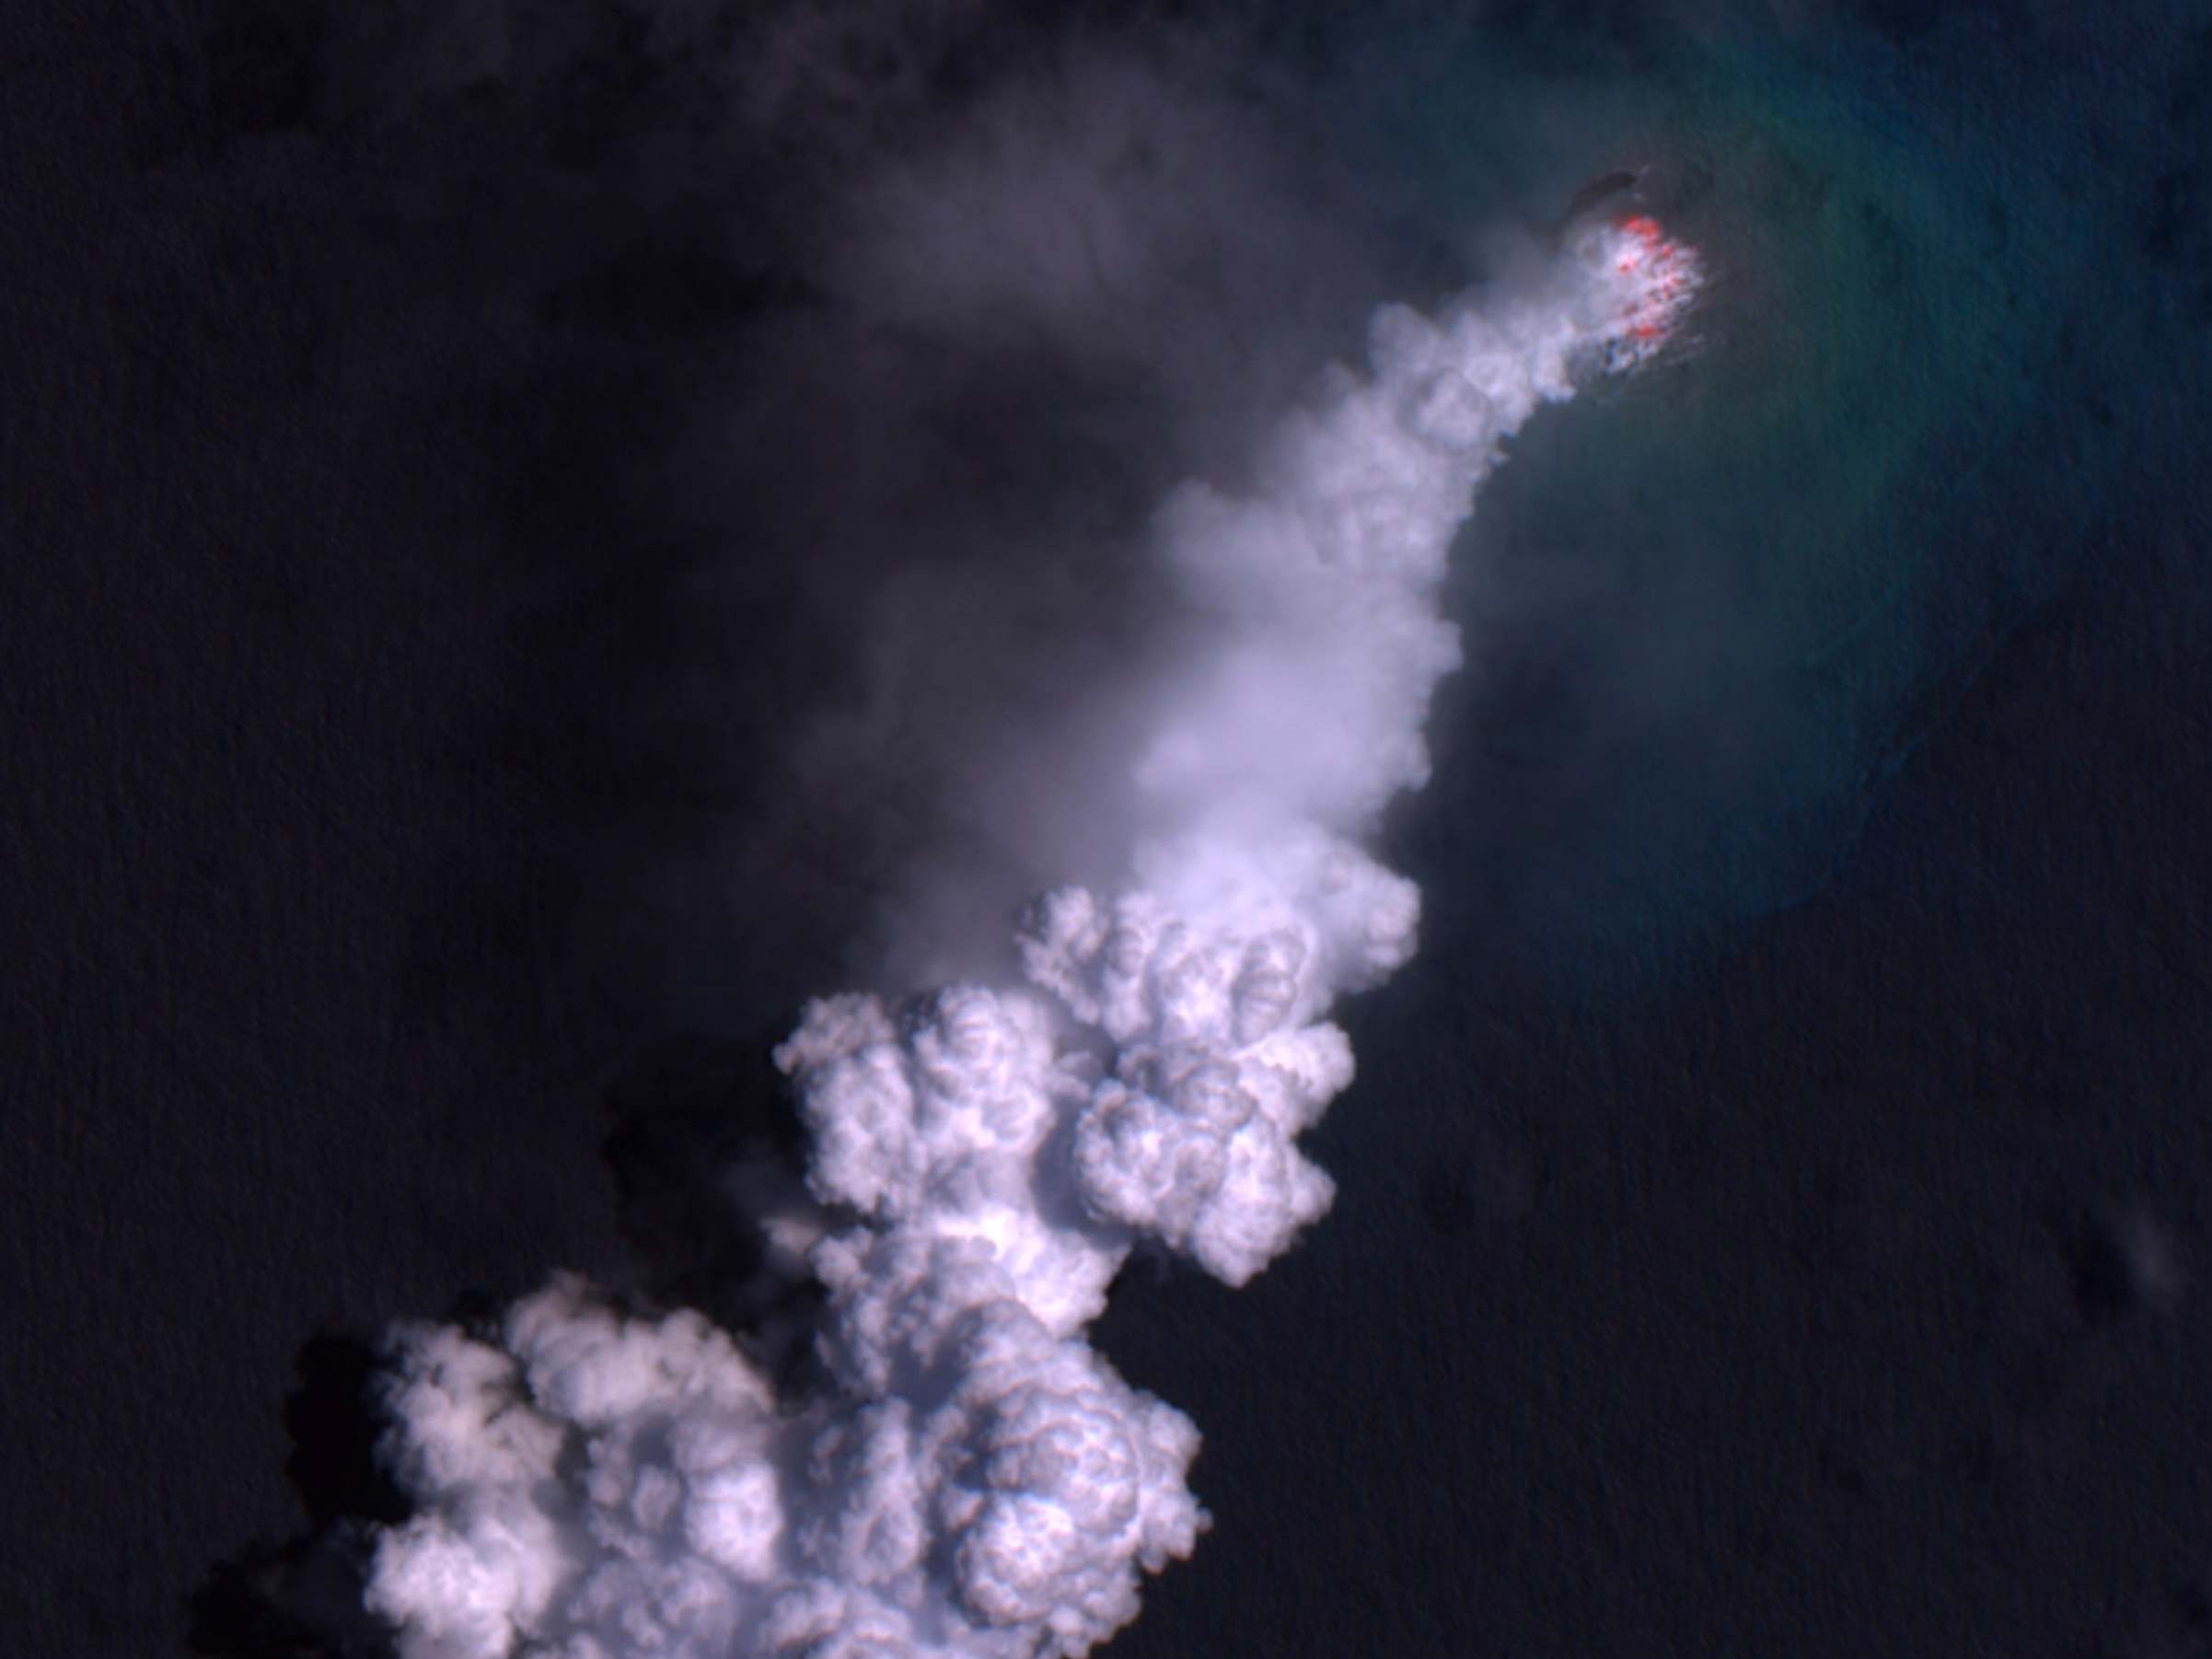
(977, 1481)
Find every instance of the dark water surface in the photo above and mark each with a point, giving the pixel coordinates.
(1774, 1209)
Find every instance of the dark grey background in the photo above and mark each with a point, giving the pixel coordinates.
(407, 871)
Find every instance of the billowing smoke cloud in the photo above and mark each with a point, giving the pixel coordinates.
(969, 1477)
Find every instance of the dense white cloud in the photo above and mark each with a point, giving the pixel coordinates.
(976, 1482)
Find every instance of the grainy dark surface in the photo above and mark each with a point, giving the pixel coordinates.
(391, 689)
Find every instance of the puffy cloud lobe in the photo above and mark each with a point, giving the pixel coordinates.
(977, 1482)
(650, 1497)
(1058, 1482)
(1189, 1137)
(584, 1478)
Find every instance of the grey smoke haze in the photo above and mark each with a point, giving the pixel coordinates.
(1106, 271)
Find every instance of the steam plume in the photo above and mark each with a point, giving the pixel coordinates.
(976, 1482)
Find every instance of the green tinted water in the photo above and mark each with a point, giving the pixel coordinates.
(1710, 608)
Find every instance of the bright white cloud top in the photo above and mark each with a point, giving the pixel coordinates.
(977, 1482)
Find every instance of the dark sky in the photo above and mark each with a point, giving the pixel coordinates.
(441, 463)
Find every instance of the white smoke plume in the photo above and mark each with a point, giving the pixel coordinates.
(976, 1482)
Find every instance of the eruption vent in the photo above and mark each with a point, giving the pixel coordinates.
(979, 1483)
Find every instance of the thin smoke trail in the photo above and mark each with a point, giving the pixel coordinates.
(977, 1482)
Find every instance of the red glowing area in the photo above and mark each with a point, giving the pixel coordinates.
(1657, 279)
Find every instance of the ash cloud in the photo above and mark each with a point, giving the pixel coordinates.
(965, 1476)
(979, 373)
